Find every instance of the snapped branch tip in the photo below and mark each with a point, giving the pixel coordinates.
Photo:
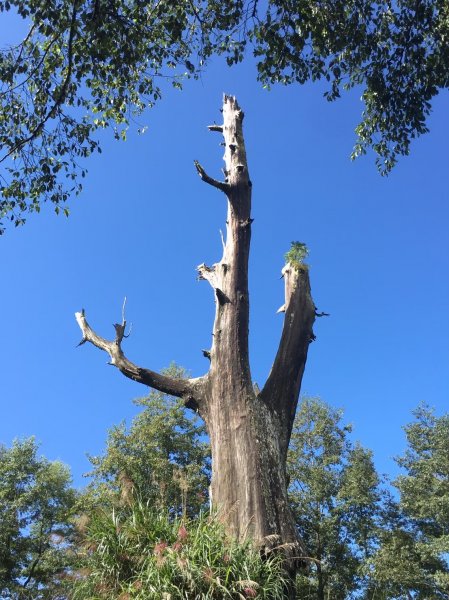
(220, 185)
(123, 310)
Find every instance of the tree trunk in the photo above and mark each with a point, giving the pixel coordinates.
(319, 571)
(249, 430)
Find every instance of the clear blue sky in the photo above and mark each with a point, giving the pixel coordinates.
(379, 256)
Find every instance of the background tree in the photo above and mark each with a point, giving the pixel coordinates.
(335, 494)
(412, 561)
(162, 459)
(85, 65)
(36, 503)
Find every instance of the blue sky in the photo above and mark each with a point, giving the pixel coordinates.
(379, 257)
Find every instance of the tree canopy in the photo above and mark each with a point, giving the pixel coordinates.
(336, 495)
(85, 65)
(362, 541)
(36, 502)
(162, 458)
(412, 557)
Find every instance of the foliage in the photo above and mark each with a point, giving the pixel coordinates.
(36, 503)
(397, 52)
(297, 253)
(142, 554)
(413, 557)
(86, 65)
(335, 495)
(361, 542)
(140, 540)
(162, 457)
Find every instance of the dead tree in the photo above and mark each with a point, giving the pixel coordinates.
(249, 429)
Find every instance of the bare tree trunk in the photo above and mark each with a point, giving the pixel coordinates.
(249, 430)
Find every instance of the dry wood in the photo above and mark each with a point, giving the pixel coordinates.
(249, 430)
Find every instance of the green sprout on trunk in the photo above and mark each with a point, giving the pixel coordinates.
(296, 255)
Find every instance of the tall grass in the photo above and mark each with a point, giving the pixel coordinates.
(137, 553)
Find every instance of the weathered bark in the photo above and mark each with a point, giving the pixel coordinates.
(249, 431)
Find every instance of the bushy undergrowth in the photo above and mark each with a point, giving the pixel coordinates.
(136, 553)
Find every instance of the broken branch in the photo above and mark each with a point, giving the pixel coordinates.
(281, 389)
(220, 185)
(187, 389)
(208, 274)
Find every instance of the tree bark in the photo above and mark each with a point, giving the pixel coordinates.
(249, 430)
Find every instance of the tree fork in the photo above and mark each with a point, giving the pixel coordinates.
(249, 430)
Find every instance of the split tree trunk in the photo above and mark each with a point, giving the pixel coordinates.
(249, 430)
